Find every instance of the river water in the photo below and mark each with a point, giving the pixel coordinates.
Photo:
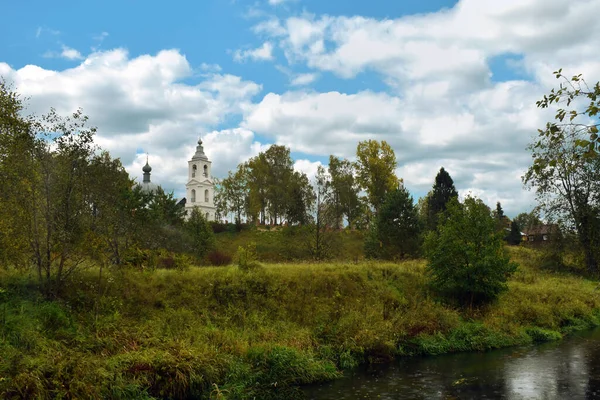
(567, 369)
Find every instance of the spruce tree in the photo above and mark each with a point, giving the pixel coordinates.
(443, 191)
(514, 237)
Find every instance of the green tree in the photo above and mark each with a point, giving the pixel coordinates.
(300, 199)
(443, 191)
(114, 204)
(18, 168)
(566, 178)
(514, 237)
(375, 168)
(396, 232)
(234, 193)
(466, 257)
(200, 233)
(526, 221)
(319, 239)
(578, 118)
(345, 189)
(280, 172)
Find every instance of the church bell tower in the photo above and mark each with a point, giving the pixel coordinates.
(200, 188)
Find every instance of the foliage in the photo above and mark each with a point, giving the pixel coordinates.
(200, 232)
(266, 188)
(185, 334)
(344, 200)
(218, 258)
(246, 257)
(318, 237)
(375, 169)
(567, 185)
(466, 257)
(577, 118)
(443, 191)
(514, 237)
(526, 221)
(396, 232)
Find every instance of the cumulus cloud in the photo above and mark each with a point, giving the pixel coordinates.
(140, 104)
(263, 53)
(67, 53)
(303, 79)
(441, 104)
(451, 45)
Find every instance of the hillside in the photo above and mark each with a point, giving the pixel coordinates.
(226, 333)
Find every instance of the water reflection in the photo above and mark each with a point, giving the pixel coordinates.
(569, 369)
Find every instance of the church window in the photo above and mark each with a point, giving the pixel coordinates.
(206, 195)
(194, 170)
(205, 170)
(207, 215)
(193, 195)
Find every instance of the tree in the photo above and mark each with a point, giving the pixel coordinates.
(466, 257)
(443, 191)
(300, 199)
(234, 193)
(499, 212)
(396, 232)
(345, 199)
(526, 221)
(514, 237)
(280, 170)
(17, 169)
(320, 240)
(566, 178)
(582, 122)
(114, 205)
(200, 232)
(375, 166)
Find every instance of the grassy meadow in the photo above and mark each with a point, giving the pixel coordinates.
(222, 332)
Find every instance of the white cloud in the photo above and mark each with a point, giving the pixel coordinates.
(279, 2)
(70, 53)
(141, 104)
(304, 79)
(442, 106)
(263, 53)
(67, 53)
(451, 46)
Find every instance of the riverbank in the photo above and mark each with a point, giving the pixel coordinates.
(227, 333)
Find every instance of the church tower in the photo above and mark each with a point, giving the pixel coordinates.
(200, 189)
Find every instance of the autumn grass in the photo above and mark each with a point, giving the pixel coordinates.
(221, 332)
(286, 244)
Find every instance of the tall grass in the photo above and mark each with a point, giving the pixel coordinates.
(222, 332)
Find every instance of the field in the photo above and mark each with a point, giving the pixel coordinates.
(222, 332)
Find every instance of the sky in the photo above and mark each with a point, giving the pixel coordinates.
(445, 83)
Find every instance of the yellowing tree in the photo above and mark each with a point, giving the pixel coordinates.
(375, 167)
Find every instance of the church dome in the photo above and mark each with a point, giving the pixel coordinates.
(147, 168)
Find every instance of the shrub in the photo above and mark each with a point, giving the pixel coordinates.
(246, 257)
(467, 259)
(218, 258)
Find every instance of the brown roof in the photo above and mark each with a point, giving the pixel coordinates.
(542, 229)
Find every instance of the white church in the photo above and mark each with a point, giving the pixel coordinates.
(199, 189)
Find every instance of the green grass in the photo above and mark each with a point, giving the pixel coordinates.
(220, 332)
(288, 245)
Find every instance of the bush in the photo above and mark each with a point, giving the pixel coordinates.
(467, 259)
(218, 258)
(246, 257)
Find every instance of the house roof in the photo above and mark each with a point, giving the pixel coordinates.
(543, 229)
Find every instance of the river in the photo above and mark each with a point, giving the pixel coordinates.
(567, 369)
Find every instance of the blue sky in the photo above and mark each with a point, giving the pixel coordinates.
(447, 83)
